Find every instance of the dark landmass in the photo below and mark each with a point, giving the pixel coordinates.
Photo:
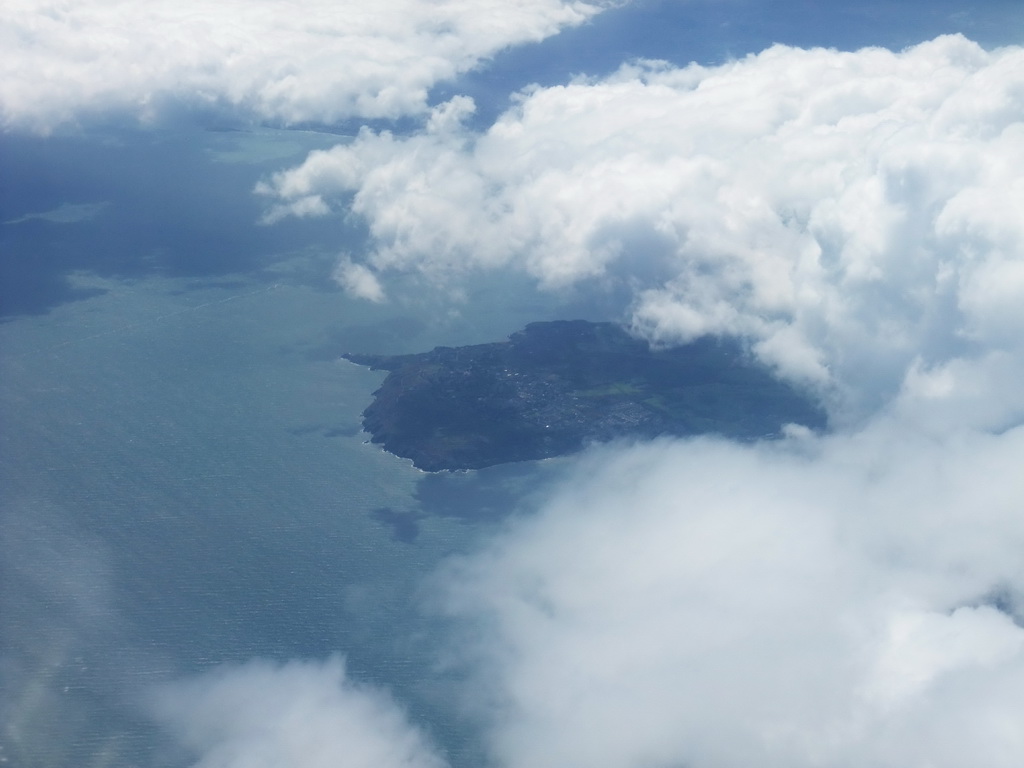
(554, 387)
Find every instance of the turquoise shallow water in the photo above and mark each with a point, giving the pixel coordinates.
(186, 484)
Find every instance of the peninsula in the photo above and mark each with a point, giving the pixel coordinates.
(556, 386)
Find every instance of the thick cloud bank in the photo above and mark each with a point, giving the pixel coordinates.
(855, 214)
(264, 715)
(315, 61)
(848, 602)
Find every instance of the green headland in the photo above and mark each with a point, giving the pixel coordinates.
(554, 387)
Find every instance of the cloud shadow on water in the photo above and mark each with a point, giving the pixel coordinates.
(159, 204)
(481, 496)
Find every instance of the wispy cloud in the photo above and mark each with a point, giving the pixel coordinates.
(68, 213)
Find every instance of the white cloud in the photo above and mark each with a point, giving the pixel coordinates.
(822, 602)
(275, 59)
(847, 600)
(854, 214)
(359, 281)
(66, 213)
(265, 715)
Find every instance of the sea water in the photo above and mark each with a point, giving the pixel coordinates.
(185, 484)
